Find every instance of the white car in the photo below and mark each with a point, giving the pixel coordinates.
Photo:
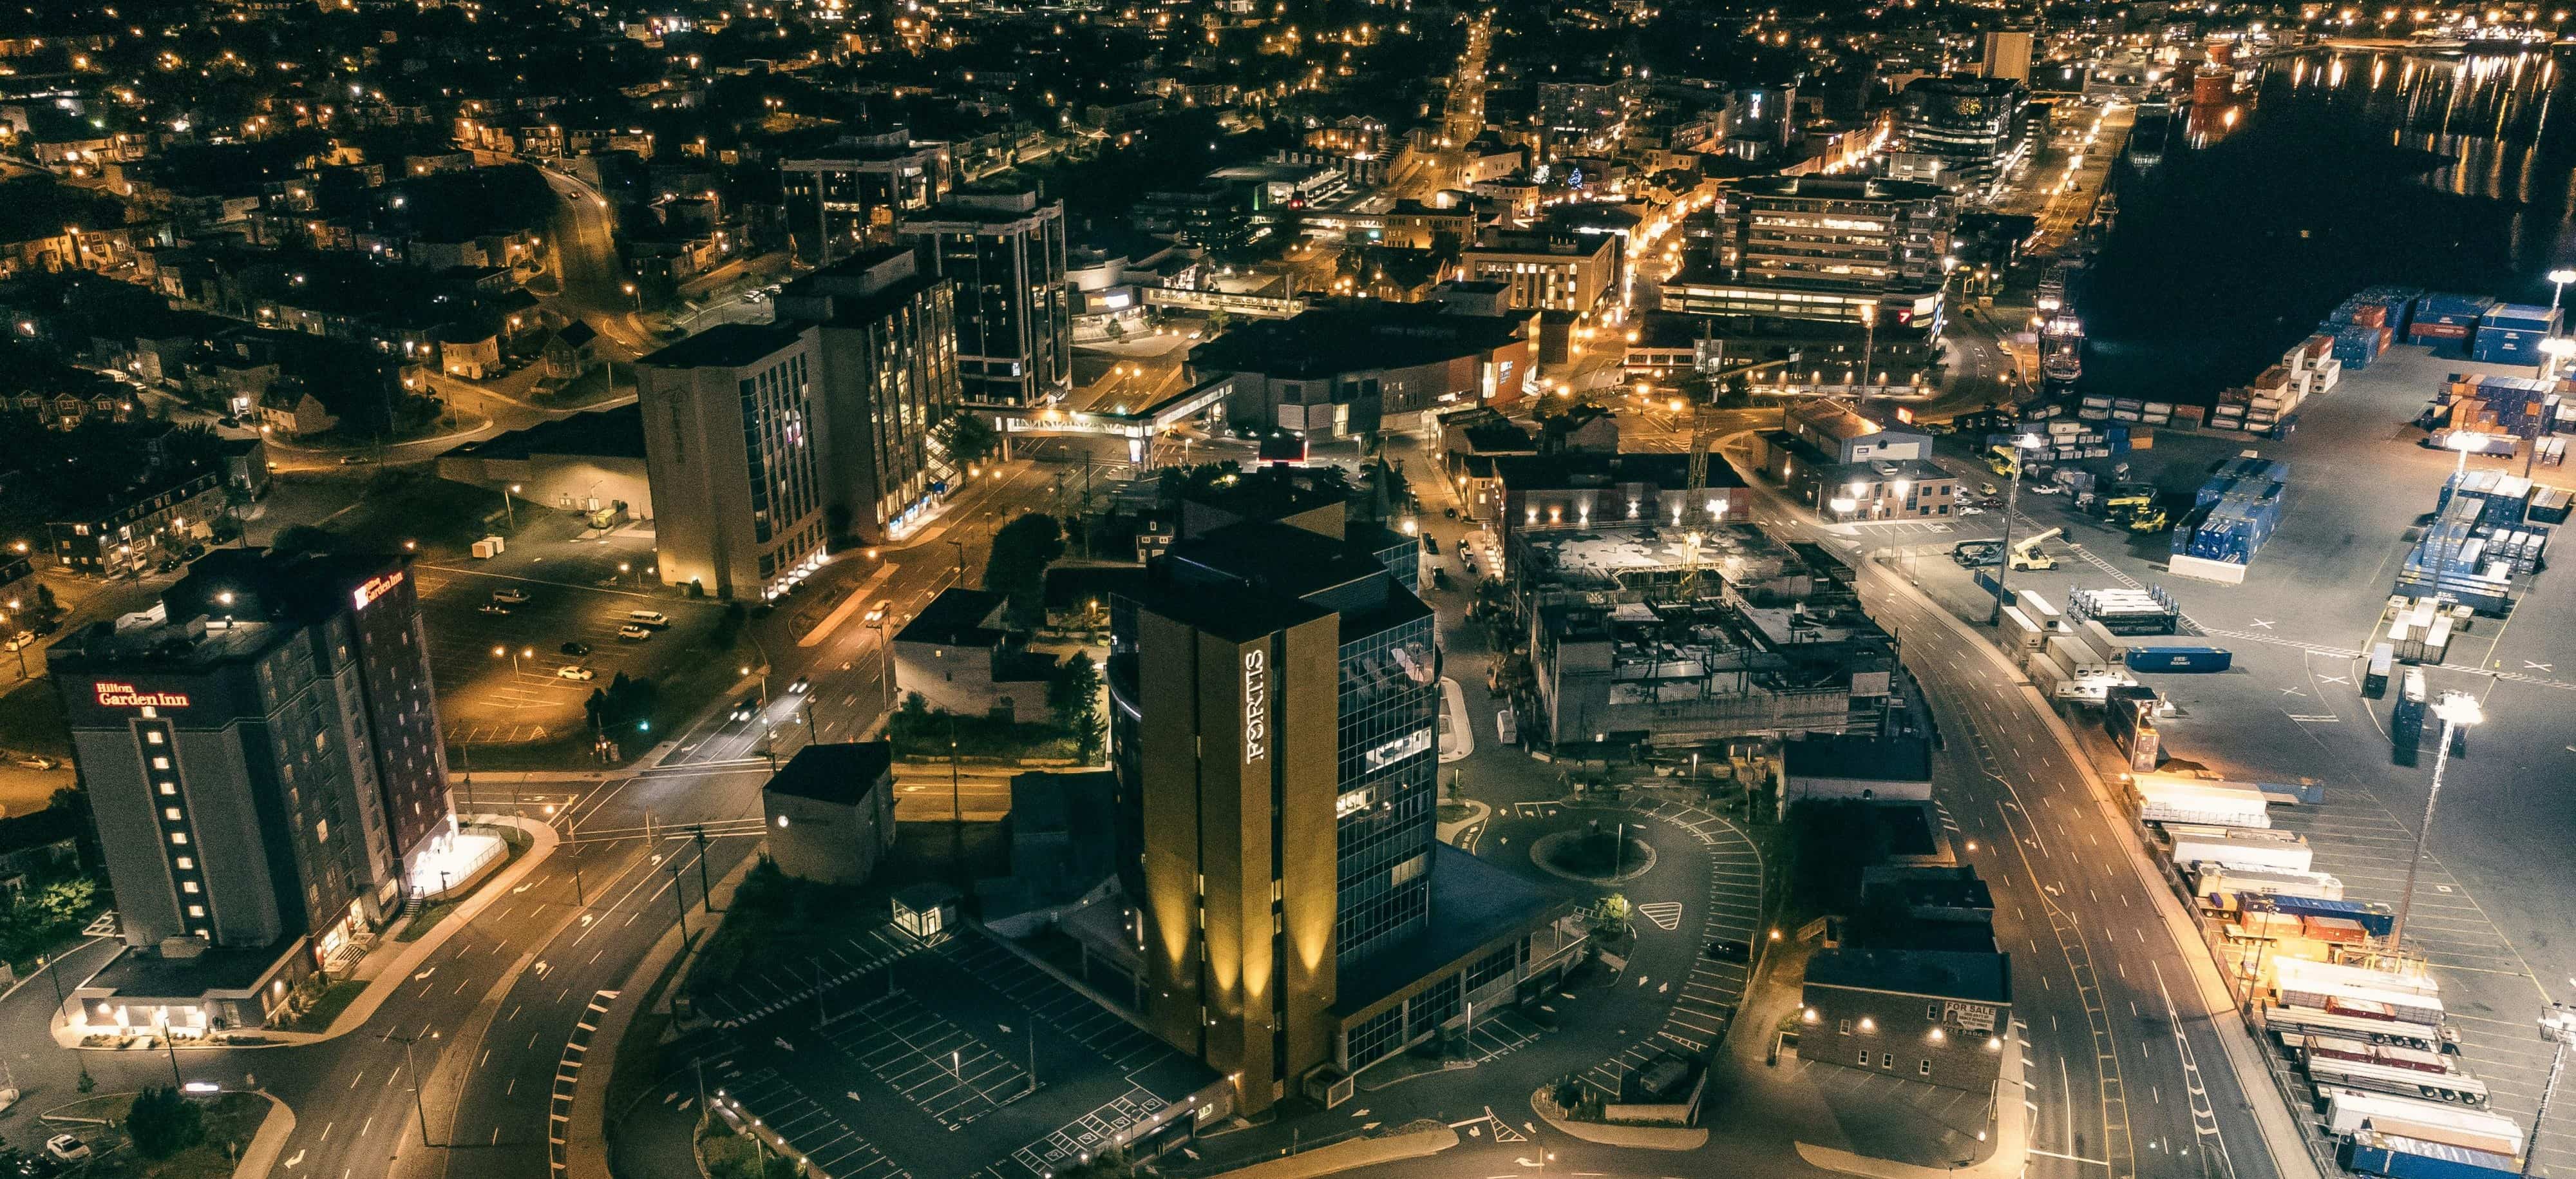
(67, 1148)
(1972, 511)
(576, 672)
(633, 633)
(510, 595)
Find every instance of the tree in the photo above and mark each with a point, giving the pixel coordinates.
(164, 1123)
(968, 439)
(298, 539)
(1073, 695)
(1022, 550)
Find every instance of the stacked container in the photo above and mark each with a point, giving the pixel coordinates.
(2548, 505)
(2452, 560)
(2446, 323)
(2511, 333)
(2499, 497)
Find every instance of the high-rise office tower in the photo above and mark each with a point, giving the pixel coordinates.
(884, 337)
(729, 448)
(264, 763)
(1275, 739)
(850, 197)
(1005, 253)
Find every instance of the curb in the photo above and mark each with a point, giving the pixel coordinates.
(1675, 1138)
(397, 970)
(586, 1129)
(265, 1146)
(1345, 1156)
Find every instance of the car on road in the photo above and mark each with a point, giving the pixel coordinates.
(746, 708)
(510, 595)
(67, 1147)
(1972, 510)
(652, 618)
(492, 608)
(633, 633)
(1725, 950)
(799, 684)
(576, 650)
(351, 460)
(575, 671)
(37, 763)
(20, 641)
(877, 613)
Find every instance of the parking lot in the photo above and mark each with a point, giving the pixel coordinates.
(960, 1057)
(519, 695)
(2291, 709)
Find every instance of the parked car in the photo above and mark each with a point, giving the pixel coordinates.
(510, 595)
(8, 1097)
(633, 633)
(1725, 950)
(19, 641)
(491, 608)
(67, 1147)
(575, 671)
(351, 460)
(576, 650)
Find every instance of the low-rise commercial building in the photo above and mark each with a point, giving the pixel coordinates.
(1932, 1016)
(590, 462)
(958, 658)
(1548, 269)
(830, 812)
(1348, 369)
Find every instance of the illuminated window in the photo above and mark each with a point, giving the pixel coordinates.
(186, 862)
(160, 763)
(196, 910)
(152, 738)
(169, 788)
(188, 886)
(171, 813)
(179, 837)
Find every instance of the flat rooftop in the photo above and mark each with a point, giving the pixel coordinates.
(731, 345)
(1940, 974)
(1576, 557)
(1473, 904)
(604, 433)
(935, 1048)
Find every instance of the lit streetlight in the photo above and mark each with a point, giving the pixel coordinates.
(2458, 711)
(2012, 504)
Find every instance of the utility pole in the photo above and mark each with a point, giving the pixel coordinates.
(173, 1047)
(419, 1108)
(956, 806)
(2003, 557)
(705, 892)
(677, 902)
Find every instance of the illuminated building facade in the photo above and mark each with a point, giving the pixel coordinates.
(263, 758)
(1275, 737)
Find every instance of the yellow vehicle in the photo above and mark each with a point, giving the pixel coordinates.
(2026, 555)
(1999, 459)
(2151, 518)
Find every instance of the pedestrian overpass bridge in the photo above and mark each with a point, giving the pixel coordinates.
(1139, 427)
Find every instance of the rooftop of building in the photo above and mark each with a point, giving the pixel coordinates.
(1838, 188)
(1885, 470)
(958, 617)
(1473, 906)
(1835, 419)
(1596, 556)
(601, 433)
(1071, 586)
(233, 603)
(1094, 1063)
(1324, 341)
(1930, 888)
(1966, 84)
(1858, 758)
(841, 774)
(731, 345)
(143, 975)
(1938, 974)
(1577, 469)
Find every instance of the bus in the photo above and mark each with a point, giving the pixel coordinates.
(2293, 1022)
(2450, 1088)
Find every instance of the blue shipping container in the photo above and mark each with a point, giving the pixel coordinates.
(2411, 1158)
(2179, 658)
(2375, 919)
(2527, 316)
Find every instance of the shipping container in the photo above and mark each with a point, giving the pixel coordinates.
(2348, 1110)
(2165, 798)
(2374, 677)
(2406, 719)
(2178, 657)
(2232, 847)
(2290, 1021)
(2379, 1078)
(2397, 1157)
(2388, 1055)
(2342, 931)
(2212, 879)
(2377, 919)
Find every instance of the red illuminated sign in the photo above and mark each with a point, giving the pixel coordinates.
(112, 695)
(377, 587)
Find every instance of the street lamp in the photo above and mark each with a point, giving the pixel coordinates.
(507, 510)
(637, 295)
(2458, 711)
(2558, 280)
(2557, 1026)
(2012, 504)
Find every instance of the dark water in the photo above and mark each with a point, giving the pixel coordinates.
(2342, 170)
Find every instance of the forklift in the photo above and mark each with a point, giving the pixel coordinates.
(2026, 555)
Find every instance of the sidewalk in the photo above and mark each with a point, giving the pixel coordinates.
(386, 973)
